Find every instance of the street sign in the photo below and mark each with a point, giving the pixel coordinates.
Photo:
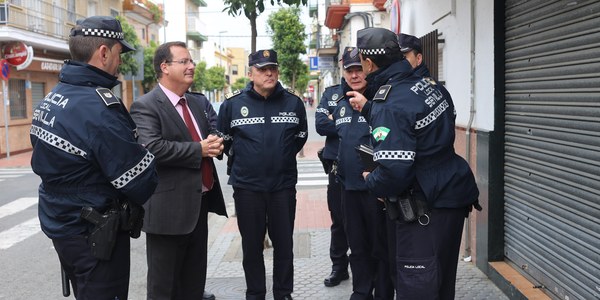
(5, 69)
(314, 63)
(311, 88)
(326, 63)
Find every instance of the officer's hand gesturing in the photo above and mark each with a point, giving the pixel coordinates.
(357, 100)
(212, 146)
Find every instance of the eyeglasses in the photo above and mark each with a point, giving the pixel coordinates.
(184, 61)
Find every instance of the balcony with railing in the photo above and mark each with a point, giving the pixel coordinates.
(38, 16)
(144, 8)
(193, 28)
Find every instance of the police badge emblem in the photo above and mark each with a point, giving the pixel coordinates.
(342, 111)
(266, 53)
(335, 97)
(382, 92)
(107, 96)
(244, 111)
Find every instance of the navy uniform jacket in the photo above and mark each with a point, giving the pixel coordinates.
(325, 126)
(263, 136)
(412, 123)
(353, 130)
(85, 151)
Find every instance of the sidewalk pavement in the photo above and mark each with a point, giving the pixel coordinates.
(225, 275)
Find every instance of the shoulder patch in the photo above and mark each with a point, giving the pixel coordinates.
(292, 92)
(107, 96)
(430, 80)
(234, 93)
(382, 93)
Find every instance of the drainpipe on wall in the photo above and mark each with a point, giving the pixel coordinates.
(467, 254)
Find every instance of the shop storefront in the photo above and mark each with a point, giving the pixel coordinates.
(24, 88)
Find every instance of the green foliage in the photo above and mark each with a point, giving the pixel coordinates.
(208, 80)
(288, 40)
(157, 13)
(302, 79)
(240, 83)
(253, 8)
(149, 75)
(215, 78)
(200, 77)
(129, 65)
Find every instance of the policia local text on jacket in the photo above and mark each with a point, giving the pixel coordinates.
(262, 135)
(85, 151)
(325, 126)
(412, 121)
(270, 131)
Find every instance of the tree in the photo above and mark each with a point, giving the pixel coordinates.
(253, 8)
(302, 79)
(208, 80)
(149, 74)
(129, 65)
(240, 83)
(200, 77)
(215, 78)
(288, 40)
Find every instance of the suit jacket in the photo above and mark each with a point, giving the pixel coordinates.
(174, 207)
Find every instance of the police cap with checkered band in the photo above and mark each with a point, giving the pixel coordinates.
(374, 41)
(102, 26)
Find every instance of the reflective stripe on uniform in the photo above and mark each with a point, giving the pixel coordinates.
(343, 120)
(56, 141)
(247, 121)
(278, 119)
(432, 116)
(323, 111)
(395, 155)
(132, 173)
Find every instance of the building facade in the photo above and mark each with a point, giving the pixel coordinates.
(183, 23)
(43, 27)
(524, 76)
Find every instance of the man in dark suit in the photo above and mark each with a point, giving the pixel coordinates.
(174, 126)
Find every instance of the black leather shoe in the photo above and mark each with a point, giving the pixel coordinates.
(336, 277)
(208, 296)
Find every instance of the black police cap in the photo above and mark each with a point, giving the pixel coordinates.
(409, 42)
(348, 60)
(105, 27)
(262, 58)
(374, 41)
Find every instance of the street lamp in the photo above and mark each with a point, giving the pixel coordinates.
(220, 32)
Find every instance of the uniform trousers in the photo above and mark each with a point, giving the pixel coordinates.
(338, 247)
(177, 263)
(365, 226)
(92, 278)
(427, 256)
(256, 213)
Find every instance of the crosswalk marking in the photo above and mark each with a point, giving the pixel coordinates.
(310, 173)
(19, 233)
(13, 173)
(17, 206)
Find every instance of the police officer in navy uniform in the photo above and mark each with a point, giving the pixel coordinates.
(264, 127)
(364, 216)
(411, 48)
(413, 133)
(85, 151)
(338, 246)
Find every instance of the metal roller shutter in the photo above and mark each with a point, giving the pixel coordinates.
(552, 144)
